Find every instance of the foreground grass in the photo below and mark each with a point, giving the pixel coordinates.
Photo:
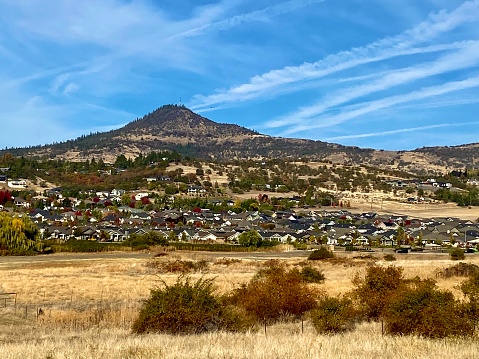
(89, 306)
(286, 342)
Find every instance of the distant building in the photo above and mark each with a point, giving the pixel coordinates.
(18, 183)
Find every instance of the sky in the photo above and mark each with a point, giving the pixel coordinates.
(383, 74)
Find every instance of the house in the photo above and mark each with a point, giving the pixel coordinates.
(17, 183)
(54, 192)
(39, 215)
(388, 238)
(141, 215)
(117, 234)
(117, 192)
(204, 236)
(87, 233)
(222, 235)
(185, 234)
(59, 233)
(196, 190)
(20, 202)
(140, 195)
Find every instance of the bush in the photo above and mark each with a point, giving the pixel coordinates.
(320, 254)
(456, 254)
(82, 246)
(178, 266)
(187, 308)
(470, 289)
(375, 290)
(389, 258)
(333, 315)
(210, 247)
(351, 248)
(227, 261)
(273, 294)
(145, 241)
(460, 269)
(300, 246)
(250, 239)
(312, 275)
(424, 310)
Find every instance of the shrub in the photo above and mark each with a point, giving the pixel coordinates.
(470, 289)
(333, 315)
(320, 254)
(227, 261)
(374, 291)
(187, 308)
(389, 258)
(210, 247)
(460, 269)
(140, 242)
(250, 239)
(351, 248)
(273, 294)
(178, 266)
(312, 275)
(81, 246)
(300, 246)
(456, 254)
(422, 309)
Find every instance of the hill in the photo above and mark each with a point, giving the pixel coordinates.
(177, 128)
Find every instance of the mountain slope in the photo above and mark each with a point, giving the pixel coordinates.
(177, 128)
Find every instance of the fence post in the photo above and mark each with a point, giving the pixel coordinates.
(26, 311)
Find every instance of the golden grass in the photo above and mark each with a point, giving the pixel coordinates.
(89, 305)
(365, 342)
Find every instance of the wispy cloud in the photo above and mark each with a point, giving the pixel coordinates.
(259, 15)
(373, 106)
(390, 47)
(401, 130)
(466, 57)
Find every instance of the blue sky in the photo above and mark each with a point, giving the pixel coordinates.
(385, 74)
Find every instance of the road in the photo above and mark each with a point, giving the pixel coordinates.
(68, 257)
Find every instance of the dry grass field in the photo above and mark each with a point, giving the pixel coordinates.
(88, 304)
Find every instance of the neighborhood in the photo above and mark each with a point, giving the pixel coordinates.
(96, 219)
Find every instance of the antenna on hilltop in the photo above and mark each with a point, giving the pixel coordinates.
(180, 101)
